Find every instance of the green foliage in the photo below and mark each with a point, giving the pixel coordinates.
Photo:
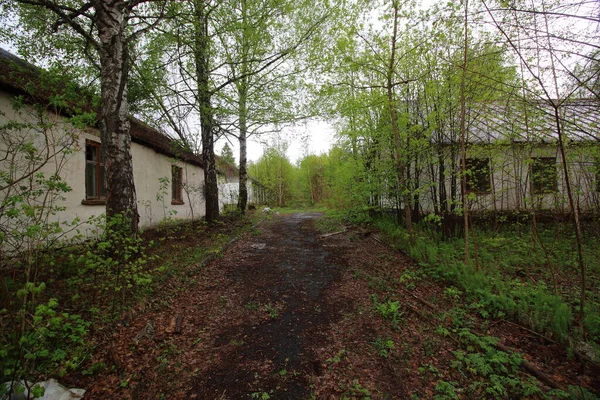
(495, 373)
(488, 290)
(389, 310)
(227, 154)
(114, 265)
(276, 173)
(356, 391)
(38, 338)
(52, 344)
(384, 346)
(271, 310)
(337, 358)
(260, 396)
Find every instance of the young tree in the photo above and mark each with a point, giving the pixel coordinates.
(262, 51)
(227, 154)
(554, 45)
(106, 28)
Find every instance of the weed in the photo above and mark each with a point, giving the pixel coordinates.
(356, 391)
(260, 396)
(452, 293)
(252, 305)
(389, 310)
(428, 368)
(494, 373)
(337, 358)
(94, 369)
(495, 290)
(446, 391)
(271, 310)
(384, 346)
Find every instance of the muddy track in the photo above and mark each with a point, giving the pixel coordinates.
(286, 269)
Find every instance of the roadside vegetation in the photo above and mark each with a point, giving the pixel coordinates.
(507, 321)
(54, 317)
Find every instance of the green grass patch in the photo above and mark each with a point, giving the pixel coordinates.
(512, 274)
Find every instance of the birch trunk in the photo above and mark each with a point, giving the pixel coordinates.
(201, 59)
(243, 113)
(114, 121)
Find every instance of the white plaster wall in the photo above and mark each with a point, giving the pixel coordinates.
(511, 179)
(149, 166)
(155, 206)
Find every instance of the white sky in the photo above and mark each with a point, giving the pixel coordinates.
(320, 133)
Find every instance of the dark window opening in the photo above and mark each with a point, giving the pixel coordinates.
(94, 172)
(478, 175)
(544, 175)
(176, 185)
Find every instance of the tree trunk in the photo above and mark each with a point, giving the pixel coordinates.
(463, 138)
(400, 165)
(242, 87)
(201, 59)
(243, 111)
(114, 121)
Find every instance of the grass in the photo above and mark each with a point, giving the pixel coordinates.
(512, 274)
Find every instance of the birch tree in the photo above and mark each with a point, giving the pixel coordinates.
(263, 49)
(105, 32)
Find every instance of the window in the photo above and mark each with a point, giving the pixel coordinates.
(544, 175)
(478, 175)
(94, 172)
(176, 185)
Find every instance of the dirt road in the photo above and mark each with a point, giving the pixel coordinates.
(283, 275)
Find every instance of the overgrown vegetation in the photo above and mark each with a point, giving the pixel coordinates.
(516, 279)
(510, 276)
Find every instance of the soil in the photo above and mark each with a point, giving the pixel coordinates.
(288, 313)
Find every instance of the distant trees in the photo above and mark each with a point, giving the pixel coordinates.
(276, 173)
(227, 154)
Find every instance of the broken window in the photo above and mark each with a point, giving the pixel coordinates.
(544, 175)
(478, 175)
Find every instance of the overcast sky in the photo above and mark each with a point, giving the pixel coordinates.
(321, 136)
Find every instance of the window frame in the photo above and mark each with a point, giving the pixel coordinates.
(543, 165)
(480, 168)
(176, 185)
(99, 166)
